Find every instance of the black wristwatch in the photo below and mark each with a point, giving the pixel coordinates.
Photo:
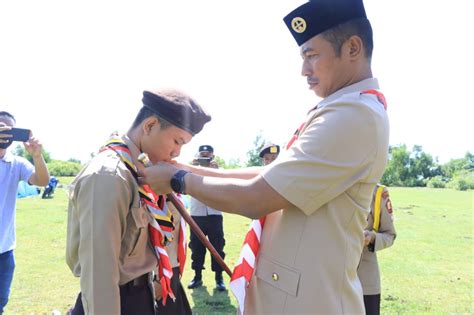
(177, 182)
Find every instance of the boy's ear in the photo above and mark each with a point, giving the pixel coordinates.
(149, 123)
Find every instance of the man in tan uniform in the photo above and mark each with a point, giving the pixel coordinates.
(379, 234)
(108, 240)
(316, 195)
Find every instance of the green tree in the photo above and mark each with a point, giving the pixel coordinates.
(63, 168)
(397, 170)
(422, 167)
(407, 168)
(233, 163)
(454, 166)
(19, 150)
(253, 158)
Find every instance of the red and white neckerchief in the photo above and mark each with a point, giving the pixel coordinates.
(182, 244)
(245, 266)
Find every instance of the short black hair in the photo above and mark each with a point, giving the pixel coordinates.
(7, 114)
(338, 35)
(144, 113)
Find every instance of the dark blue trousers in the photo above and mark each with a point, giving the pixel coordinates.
(7, 266)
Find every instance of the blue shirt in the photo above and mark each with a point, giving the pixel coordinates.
(13, 169)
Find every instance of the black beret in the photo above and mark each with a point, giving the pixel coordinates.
(177, 108)
(317, 16)
(206, 148)
(269, 148)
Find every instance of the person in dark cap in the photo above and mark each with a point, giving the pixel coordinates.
(211, 223)
(269, 153)
(301, 257)
(119, 230)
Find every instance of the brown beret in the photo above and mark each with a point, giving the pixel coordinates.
(177, 108)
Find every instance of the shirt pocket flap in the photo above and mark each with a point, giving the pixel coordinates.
(137, 233)
(278, 275)
(140, 216)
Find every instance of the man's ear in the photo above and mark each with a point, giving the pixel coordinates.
(354, 47)
(149, 123)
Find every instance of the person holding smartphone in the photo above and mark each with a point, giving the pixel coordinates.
(211, 223)
(14, 169)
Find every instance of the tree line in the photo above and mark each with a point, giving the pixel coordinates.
(417, 168)
(407, 168)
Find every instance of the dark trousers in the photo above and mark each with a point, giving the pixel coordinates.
(181, 305)
(7, 266)
(134, 300)
(212, 227)
(372, 304)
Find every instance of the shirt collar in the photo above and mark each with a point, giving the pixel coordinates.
(8, 157)
(133, 148)
(367, 84)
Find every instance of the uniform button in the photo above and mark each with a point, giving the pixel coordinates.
(275, 276)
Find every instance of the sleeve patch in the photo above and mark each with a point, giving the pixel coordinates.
(388, 204)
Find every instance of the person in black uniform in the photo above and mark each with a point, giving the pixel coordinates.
(211, 223)
(269, 153)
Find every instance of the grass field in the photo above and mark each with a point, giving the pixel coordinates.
(429, 270)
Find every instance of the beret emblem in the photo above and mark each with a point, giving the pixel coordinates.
(298, 24)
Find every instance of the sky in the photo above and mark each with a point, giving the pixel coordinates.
(74, 71)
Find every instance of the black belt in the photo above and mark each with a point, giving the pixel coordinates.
(137, 282)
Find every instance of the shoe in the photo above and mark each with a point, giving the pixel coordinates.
(195, 283)
(220, 286)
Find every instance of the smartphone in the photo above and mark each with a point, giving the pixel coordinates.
(204, 161)
(18, 134)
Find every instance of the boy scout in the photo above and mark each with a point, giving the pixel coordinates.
(109, 243)
(379, 234)
(310, 250)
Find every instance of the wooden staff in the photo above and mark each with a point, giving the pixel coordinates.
(193, 225)
(196, 229)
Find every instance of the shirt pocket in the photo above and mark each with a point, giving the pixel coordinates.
(279, 276)
(138, 231)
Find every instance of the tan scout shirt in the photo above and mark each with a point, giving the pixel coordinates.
(368, 271)
(107, 234)
(309, 253)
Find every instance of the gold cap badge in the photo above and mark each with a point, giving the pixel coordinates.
(298, 25)
(273, 149)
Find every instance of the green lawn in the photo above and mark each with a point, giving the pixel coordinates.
(429, 269)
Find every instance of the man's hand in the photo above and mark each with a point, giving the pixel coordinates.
(34, 147)
(158, 290)
(369, 237)
(158, 177)
(4, 137)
